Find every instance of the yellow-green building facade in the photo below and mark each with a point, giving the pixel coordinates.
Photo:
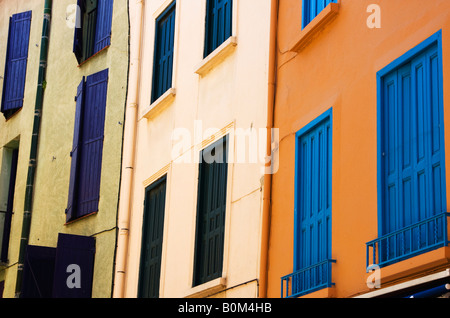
(74, 190)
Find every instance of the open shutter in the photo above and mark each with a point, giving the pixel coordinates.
(74, 266)
(38, 272)
(103, 28)
(78, 36)
(75, 153)
(92, 143)
(16, 62)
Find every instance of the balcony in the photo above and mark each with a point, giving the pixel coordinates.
(410, 241)
(307, 280)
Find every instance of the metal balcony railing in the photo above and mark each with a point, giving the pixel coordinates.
(307, 280)
(410, 241)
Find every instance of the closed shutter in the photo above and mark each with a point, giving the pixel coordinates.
(211, 207)
(413, 175)
(164, 44)
(75, 153)
(16, 63)
(103, 27)
(93, 119)
(38, 272)
(74, 266)
(311, 8)
(152, 239)
(218, 23)
(314, 195)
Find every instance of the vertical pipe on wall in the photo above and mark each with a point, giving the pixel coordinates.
(28, 206)
(128, 151)
(267, 205)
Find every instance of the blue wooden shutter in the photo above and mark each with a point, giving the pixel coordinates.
(152, 240)
(314, 195)
(78, 36)
(103, 28)
(92, 143)
(219, 18)
(75, 153)
(38, 272)
(77, 250)
(211, 207)
(413, 176)
(164, 44)
(311, 8)
(16, 62)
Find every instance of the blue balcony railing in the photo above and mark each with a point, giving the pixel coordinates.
(307, 280)
(410, 241)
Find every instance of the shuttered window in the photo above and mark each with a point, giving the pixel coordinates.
(211, 206)
(93, 32)
(311, 8)
(219, 18)
(411, 149)
(87, 150)
(164, 45)
(152, 239)
(16, 63)
(6, 216)
(312, 243)
(38, 271)
(74, 266)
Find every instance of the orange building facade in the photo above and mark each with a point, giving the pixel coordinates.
(359, 203)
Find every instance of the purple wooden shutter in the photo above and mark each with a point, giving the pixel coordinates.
(74, 264)
(75, 153)
(92, 143)
(38, 272)
(78, 36)
(103, 29)
(16, 62)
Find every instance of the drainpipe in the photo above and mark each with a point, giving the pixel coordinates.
(128, 152)
(34, 145)
(267, 204)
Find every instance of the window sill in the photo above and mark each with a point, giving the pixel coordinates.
(93, 55)
(207, 289)
(314, 27)
(159, 105)
(217, 56)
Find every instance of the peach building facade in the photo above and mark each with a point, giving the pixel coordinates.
(199, 86)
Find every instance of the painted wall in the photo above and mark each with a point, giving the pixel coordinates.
(232, 95)
(17, 130)
(337, 68)
(56, 136)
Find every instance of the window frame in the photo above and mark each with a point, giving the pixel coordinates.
(306, 18)
(155, 94)
(397, 64)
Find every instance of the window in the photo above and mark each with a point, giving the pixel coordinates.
(93, 29)
(7, 189)
(164, 44)
(412, 189)
(219, 25)
(16, 63)
(311, 8)
(84, 187)
(211, 206)
(152, 239)
(312, 227)
(63, 272)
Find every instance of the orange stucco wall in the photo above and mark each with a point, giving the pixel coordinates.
(337, 69)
